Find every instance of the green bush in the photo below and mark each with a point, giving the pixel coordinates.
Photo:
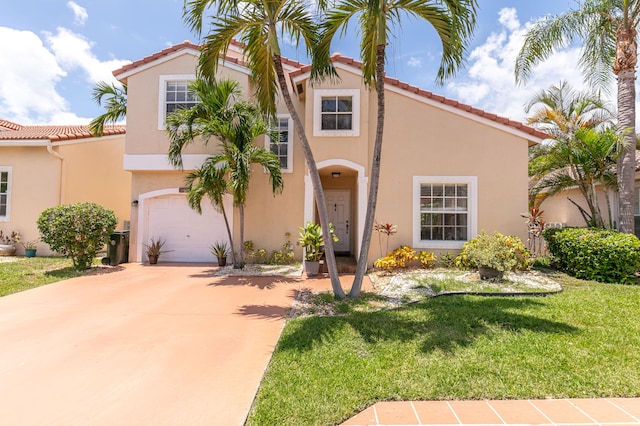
(77, 231)
(501, 252)
(595, 254)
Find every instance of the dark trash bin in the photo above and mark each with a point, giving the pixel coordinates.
(118, 248)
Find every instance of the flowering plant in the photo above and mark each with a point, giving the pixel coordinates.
(8, 239)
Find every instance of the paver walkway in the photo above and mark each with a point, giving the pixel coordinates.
(547, 412)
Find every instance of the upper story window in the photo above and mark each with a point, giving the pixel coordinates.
(283, 147)
(174, 94)
(5, 192)
(444, 211)
(336, 112)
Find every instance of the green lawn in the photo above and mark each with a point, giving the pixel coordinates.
(580, 343)
(23, 274)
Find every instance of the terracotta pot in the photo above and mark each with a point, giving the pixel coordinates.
(222, 261)
(153, 259)
(7, 250)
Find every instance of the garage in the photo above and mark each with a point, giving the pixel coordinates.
(188, 234)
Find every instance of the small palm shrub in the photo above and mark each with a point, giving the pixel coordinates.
(77, 231)
(501, 252)
(595, 254)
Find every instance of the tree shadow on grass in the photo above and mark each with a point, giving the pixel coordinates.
(71, 272)
(443, 324)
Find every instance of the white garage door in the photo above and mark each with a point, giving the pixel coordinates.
(187, 233)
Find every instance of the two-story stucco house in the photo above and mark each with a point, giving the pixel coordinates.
(448, 170)
(45, 166)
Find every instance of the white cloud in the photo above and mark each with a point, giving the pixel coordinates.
(73, 51)
(414, 62)
(32, 72)
(80, 15)
(27, 86)
(489, 82)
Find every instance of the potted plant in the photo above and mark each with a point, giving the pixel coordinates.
(493, 255)
(154, 249)
(8, 243)
(312, 242)
(30, 248)
(220, 249)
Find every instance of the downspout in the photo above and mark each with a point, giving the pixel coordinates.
(61, 179)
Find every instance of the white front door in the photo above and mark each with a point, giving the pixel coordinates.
(339, 209)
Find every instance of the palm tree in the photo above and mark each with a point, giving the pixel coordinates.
(573, 156)
(608, 31)
(115, 103)
(235, 124)
(257, 23)
(561, 110)
(453, 21)
(209, 180)
(584, 161)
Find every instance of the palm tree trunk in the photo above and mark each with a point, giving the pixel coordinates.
(626, 161)
(226, 223)
(624, 67)
(240, 264)
(318, 193)
(375, 177)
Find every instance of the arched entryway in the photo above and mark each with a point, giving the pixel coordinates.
(345, 186)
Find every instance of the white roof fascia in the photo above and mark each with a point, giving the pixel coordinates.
(169, 57)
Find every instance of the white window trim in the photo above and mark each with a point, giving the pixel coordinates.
(317, 112)
(472, 222)
(267, 143)
(162, 94)
(8, 169)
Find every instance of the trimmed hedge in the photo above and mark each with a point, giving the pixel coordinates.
(595, 254)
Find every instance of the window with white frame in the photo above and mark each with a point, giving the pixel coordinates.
(444, 211)
(283, 146)
(5, 192)
(336, 112)
(174, 94)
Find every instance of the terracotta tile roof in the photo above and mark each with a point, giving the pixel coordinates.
(9, 125)
(166, 52)
(57, 133)
(336, 57)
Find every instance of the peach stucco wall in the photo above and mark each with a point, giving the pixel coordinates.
(558, 208)
(420, 140)
(89, 171)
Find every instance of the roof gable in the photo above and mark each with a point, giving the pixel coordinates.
(184, 48)
(344, 62)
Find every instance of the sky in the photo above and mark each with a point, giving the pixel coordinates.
(52, 52)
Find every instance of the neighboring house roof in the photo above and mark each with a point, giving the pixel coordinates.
(55, 133)
(336, 57)
(9, 125)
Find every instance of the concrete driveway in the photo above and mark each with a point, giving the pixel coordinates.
(155, 345)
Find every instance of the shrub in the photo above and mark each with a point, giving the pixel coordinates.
(396, 259)
(427, 259)
(77, 231)
(595, 254)
(501, 252)
(447, 260)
